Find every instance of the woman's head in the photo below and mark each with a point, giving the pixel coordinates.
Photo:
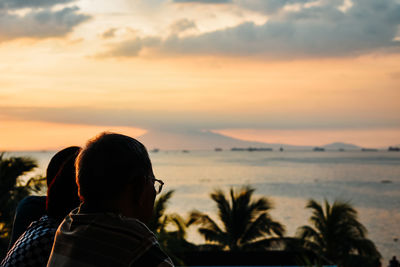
(62, 192)
(57, 162)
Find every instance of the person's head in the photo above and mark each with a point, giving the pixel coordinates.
(57, 161)
(62, 192)
(114, 173)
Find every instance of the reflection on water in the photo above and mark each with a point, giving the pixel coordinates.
(370, 181)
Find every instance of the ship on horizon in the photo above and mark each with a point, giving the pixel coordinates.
(251, 149)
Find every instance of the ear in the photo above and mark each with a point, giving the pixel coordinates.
(135, 194)
(140, 198)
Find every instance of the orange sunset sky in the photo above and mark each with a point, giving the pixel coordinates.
(296, 72)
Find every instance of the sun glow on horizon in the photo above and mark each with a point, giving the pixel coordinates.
(160, 62)
(241, 91)
(36, 135)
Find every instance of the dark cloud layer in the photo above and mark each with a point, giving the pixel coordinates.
(204, 1)
(316, 31)
(41, 21)
(271, 6)
(264, 6)
(18, 4)
(192, 120)
(40, 24)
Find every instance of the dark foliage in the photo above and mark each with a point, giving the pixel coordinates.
(12, 191)
(170, 229)
(246, 223)
(336, 234)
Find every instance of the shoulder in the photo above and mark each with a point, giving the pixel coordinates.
(30, 209)
(131, 228)
(44, 224)
(34, 245)
(38, 202)
(116, 240)
(106, 230)
(154, 256)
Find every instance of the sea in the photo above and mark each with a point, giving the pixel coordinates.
(368, 180)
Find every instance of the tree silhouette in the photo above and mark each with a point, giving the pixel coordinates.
(12, 190)
(172, 240)
(337, 235)
(246, 223)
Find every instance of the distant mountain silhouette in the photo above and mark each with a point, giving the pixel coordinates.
(338, 145)
(207, 140)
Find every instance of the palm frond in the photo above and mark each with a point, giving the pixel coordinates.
(336, 233)
(365, 247)
(263, 225)
(213, 236)
(179, 223)
(224, 209)
(12, 190)
(205, 221)
(307, 232)
(244, 220)
(160, 206)
(254, 230)
(264, 244)
(261, 205)
(318, 216)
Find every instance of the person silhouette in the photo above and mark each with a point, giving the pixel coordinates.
(394, 262)
(32, 208)
(117, 188)
(33, 247)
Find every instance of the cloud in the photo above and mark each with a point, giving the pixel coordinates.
(110, 33)
(269, 6)
(40, 24)
(19, 4)
(321, 30)
(131, 48)
(182, 25)
(264, 6)
(40, 20)
(200, 120)
(204, 1)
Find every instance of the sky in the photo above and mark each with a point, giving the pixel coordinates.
(299, 72)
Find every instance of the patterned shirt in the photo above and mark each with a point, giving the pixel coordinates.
(105, 239)
(30, 209)
(33, 247)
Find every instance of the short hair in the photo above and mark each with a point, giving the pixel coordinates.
(107, 164)
(62, 192)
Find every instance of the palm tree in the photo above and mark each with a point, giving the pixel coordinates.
(173, 241)
(246, 223)
(12, 190)
(160, 220)
(337, 235)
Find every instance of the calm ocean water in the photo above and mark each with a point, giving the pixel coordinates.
(368, 180)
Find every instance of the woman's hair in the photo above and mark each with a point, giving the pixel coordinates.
(57, 162)
(62, 191)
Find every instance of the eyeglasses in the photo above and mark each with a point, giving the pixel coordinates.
(158, 186)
